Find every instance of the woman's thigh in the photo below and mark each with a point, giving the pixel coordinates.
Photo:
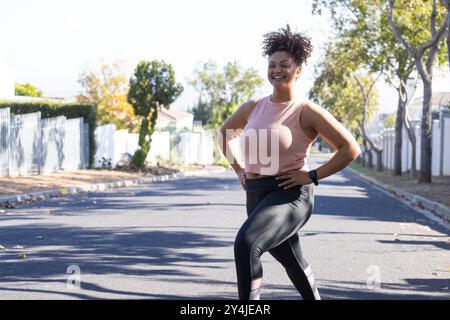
(276, 215)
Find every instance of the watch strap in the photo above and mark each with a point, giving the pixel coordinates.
(313, 175)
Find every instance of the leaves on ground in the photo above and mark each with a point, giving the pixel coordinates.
(8, 205)
(21, 255)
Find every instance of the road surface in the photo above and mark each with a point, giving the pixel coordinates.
(174, 240)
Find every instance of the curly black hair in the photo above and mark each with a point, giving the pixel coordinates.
(297, 44)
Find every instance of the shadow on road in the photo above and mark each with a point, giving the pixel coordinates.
(348, 290)
(135, 198)
(358, 200)
(134, 252)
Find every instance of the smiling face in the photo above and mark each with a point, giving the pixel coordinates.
(282, 70)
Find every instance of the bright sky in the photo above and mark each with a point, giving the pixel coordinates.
(48, 42)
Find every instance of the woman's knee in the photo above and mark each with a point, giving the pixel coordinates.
(245, 244)
(242, 243)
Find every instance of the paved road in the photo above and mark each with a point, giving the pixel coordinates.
(174, 240)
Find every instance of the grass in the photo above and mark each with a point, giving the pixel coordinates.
(359, 168)
(222, 162)
(438, 190)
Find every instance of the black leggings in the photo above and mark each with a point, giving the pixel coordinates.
(275, 216)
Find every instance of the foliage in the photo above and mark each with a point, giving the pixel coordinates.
(335, 88)
(222, 92)
(392, 55)
(367, 23)
(389, 122)
(26, 89)
(152, 86)
(107, 88)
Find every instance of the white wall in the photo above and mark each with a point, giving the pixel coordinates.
(159, 147)
(436, 147)
(446, 163)
(104, 138)
(30, 145)
(185, 147)
(388, 143)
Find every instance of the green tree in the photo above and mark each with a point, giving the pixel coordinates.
(222, 92)
(201, 111)
(446, 4)
(107, 88)
(28, 90)
(426, 17)
(152, 86)
(348, 93)
(368, 23)
(338, 92)
(352, 56)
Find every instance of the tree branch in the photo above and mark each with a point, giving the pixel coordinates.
(366, 105)
(436, 37)
(397, 34)
(416, 55)
(349, 7)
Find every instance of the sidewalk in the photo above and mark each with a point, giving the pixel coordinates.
(39, 187)
(433, 197)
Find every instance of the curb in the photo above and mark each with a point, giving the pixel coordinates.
(42, 195)
(436, 208)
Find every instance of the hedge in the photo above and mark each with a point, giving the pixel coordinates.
(53, 109)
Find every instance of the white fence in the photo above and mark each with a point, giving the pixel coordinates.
(177, 147)
(440, 139)
(31, 145)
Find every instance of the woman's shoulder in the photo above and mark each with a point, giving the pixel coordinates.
(313, 114)
(250, 104)
(255, 100)
(309, 105)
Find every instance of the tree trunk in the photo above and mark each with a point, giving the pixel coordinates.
(425, 150)
(138, 160)
(413, 160)
(426, 73)
(369, 155)
(145, 133)
(366, 138)
(364, 151)
(398, 135)
(447, 5)
(379, 166)
(412, 138)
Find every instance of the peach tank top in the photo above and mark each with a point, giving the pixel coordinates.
(272, 142)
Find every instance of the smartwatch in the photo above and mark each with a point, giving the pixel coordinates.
(313, 175)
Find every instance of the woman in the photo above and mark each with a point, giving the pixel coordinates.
(279, 190)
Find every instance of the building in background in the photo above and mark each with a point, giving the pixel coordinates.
(174, 120)
(438, 100)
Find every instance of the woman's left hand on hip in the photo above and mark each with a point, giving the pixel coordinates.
(294, 178)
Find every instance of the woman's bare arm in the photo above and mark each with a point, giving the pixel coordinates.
(335, 134)
(230, 129)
